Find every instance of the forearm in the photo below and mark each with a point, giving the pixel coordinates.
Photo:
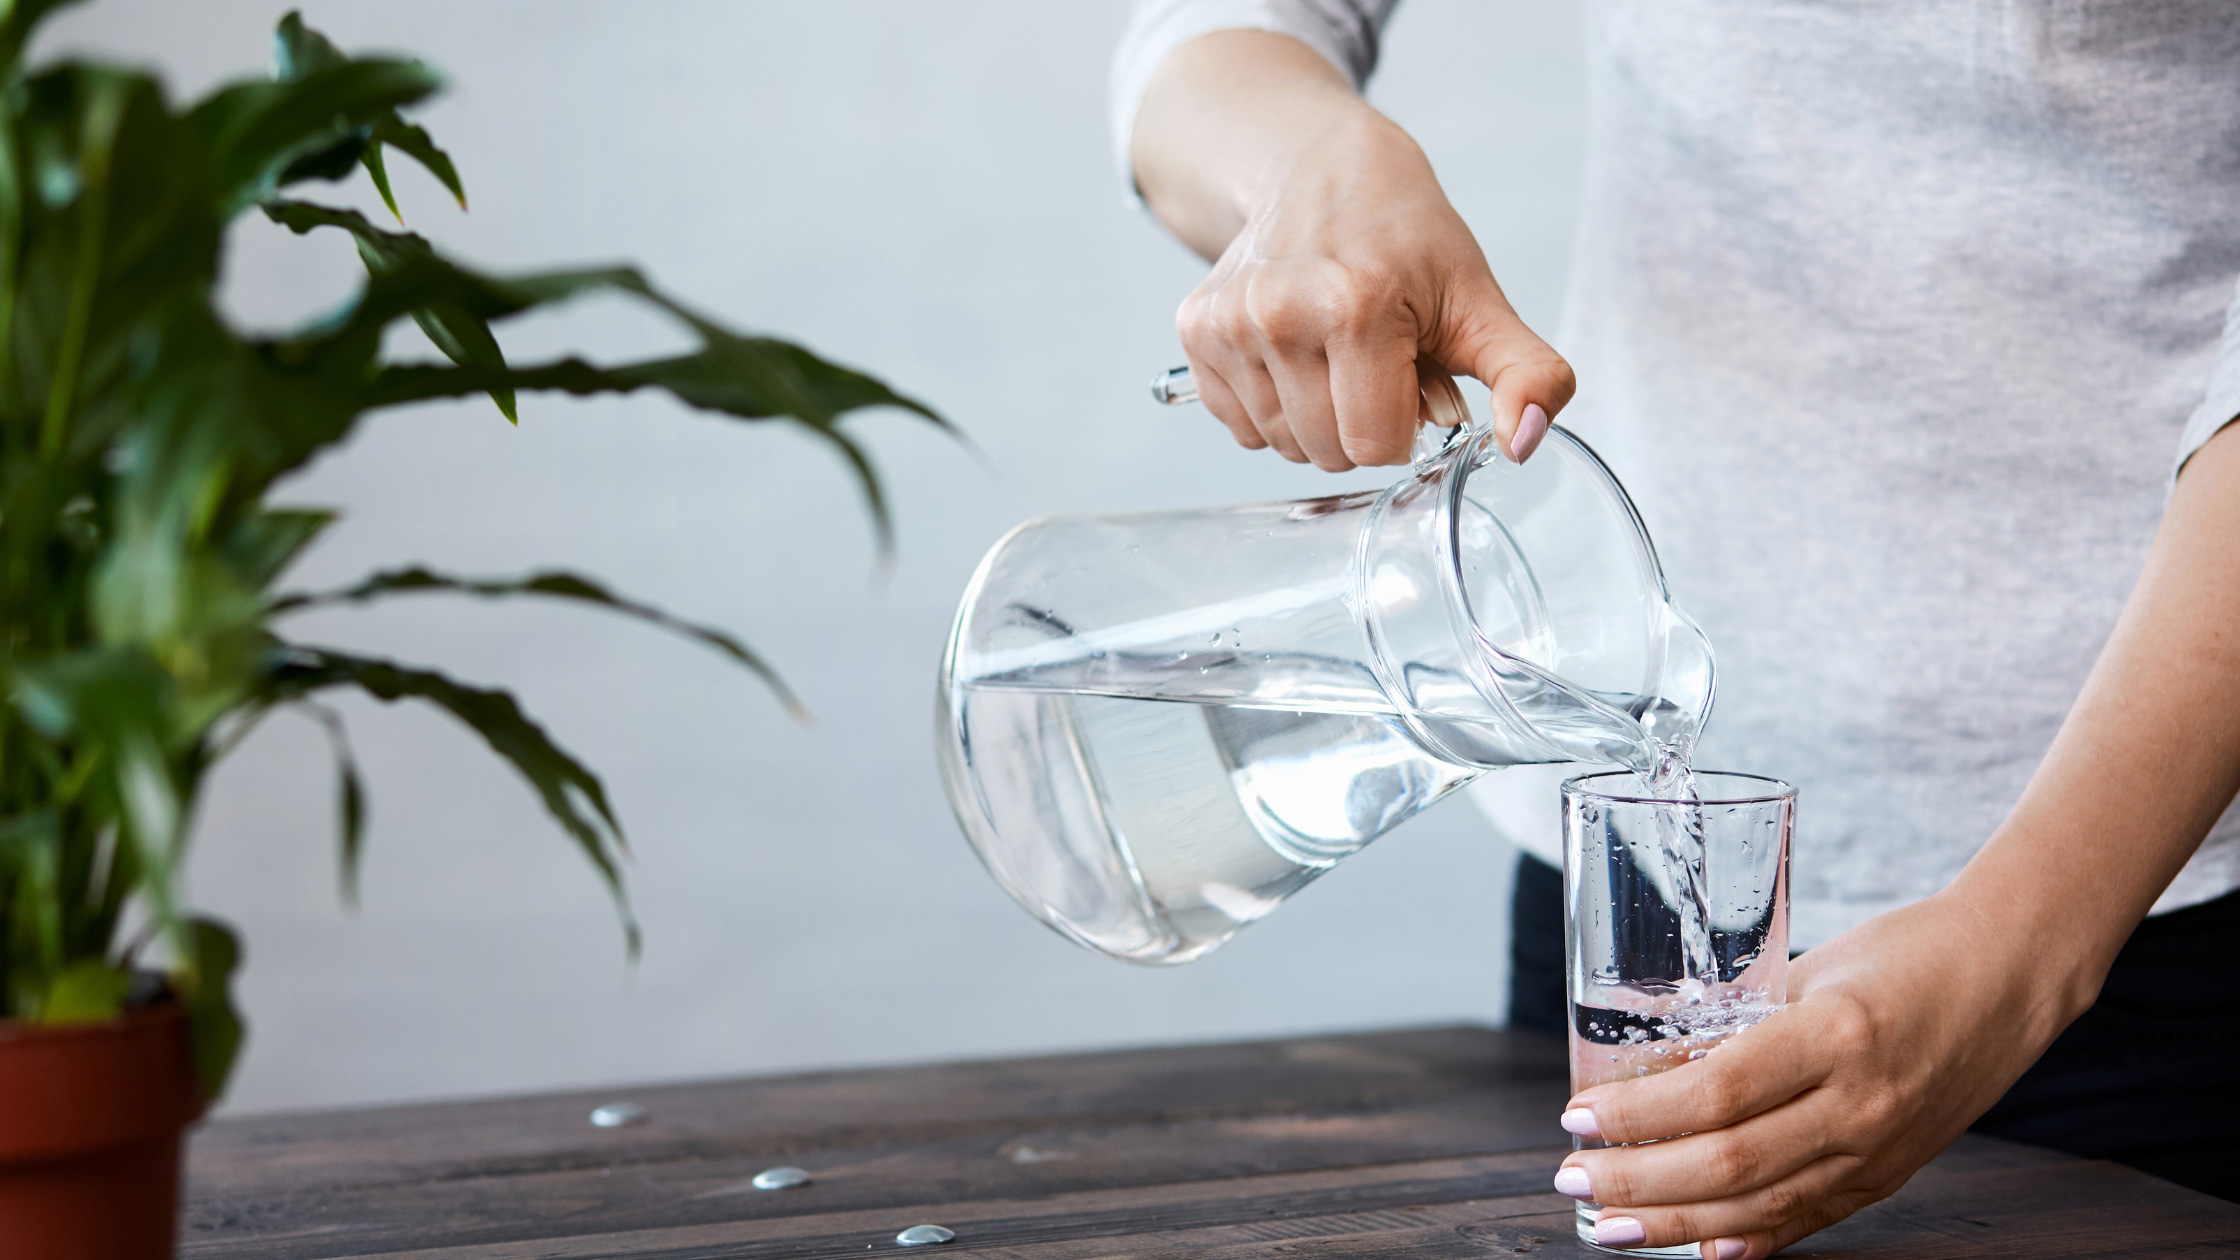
(1221, 120)
(2147, 760)
(1341, 272)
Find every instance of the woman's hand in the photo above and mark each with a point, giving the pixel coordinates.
(1898, 1035)
(1342, 270)
(1902, 1031)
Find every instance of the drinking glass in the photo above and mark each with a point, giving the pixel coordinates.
(1676, 925)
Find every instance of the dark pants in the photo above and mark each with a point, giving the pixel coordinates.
(2149, 1076)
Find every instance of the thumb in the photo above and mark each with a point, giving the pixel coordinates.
(1530, 381)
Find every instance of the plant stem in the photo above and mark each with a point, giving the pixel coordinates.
(104, 113)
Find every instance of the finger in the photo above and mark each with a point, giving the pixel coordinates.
(1520, 387)
(1709, 1164)
(1754, 1069)
(1222, 401)
(1303, 383)
(1373, 389)
(1263, 402)
(1481, 334)
(1247, 380)
(1766, 1219)
(1764, 1243)
(1223, 352)
(1280, 318)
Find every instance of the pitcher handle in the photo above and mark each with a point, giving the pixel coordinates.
(1445, 416)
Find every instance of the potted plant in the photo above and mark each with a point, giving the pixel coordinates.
(141, 617)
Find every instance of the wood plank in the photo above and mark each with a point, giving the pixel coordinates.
(1071, 1221)
(778, 1117)
(632, 1194)
(1429, 1143)
(2062, 1209)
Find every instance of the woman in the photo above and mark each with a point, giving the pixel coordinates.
(1897, 320)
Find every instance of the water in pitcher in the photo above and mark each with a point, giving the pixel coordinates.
(1154, 727)
(1216, 809)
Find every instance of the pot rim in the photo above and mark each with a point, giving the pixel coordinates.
(70, 1090)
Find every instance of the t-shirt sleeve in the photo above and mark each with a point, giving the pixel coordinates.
(1344, 31)
(2222, 403)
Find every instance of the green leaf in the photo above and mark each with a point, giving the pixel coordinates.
(302, 51)
(394, 132)
(264, 541)
(89, 989)
(124, 712)
(257, 132)
(350, 798)
(571, 794)
(752, 378)
(331, 163)
(554, 584)
(18, 19)
(99, 693)
(113, 222)
(298, 50)
(711, 380)
(462, 336)
(214, 1026)
(31, 866)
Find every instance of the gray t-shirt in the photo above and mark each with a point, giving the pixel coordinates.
(1895, 320)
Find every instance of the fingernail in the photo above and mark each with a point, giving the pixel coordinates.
(1580, 1121)
(1731, 1248)
(1619, 1231)
(1531, 427)
(1573, 1181)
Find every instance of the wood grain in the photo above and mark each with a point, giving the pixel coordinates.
(1431, 1143)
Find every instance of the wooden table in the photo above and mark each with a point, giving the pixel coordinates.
(1432, 1143)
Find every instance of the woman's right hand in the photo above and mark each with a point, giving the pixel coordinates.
(1345, 272)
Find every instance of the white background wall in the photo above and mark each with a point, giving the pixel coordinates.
(921, 189)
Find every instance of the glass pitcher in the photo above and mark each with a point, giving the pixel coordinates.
(1155, 727)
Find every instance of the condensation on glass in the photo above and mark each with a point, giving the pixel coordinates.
(1641, 874)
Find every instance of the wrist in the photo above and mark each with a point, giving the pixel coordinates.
(2052, 957)
(1332, 140)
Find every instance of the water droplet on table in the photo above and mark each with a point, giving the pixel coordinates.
(920, 1235)
(618, 1115)
(781, 1178)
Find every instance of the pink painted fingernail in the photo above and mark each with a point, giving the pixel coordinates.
(1531, 427)
(1580, 1121)
(1573, 1181)
(1730, 1248)
(1619, 1231)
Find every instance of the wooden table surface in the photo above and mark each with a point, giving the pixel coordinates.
(1424, 1143)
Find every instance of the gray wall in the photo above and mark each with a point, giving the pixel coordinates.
(923, 189)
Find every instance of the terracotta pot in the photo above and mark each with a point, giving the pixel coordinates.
(90, 1121)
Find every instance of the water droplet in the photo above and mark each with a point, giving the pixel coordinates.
(785, 1178)
(618, 1115)
(920, 1235)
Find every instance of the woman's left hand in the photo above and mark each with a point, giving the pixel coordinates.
(1897, 1036)
(1900, 1032)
